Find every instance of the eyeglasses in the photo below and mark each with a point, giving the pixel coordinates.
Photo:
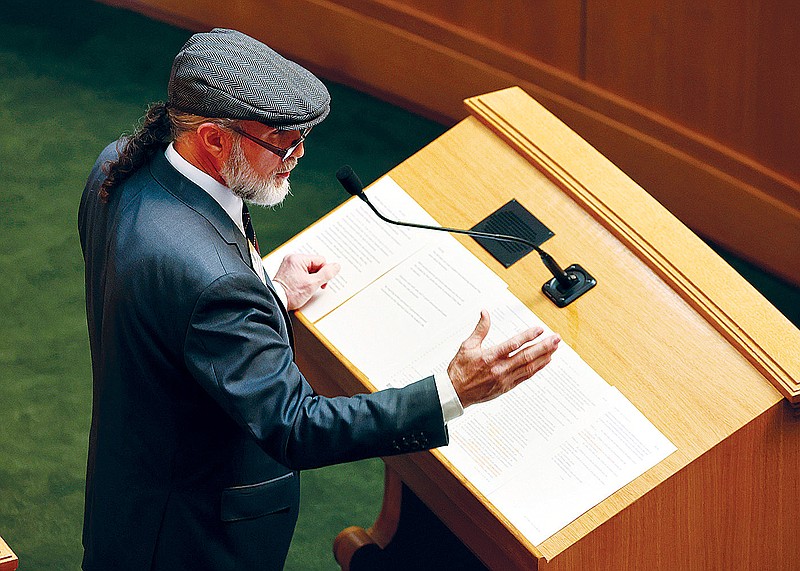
(283, 154)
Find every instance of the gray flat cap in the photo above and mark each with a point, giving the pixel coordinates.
(225, 73)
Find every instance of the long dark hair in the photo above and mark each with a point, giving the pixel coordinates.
(153, 133)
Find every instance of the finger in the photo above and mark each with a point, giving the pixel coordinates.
(528, 361)
(480, 332)
(327, 272)
(515, 342)
(304, 261)
(313, 263)
(524, 373)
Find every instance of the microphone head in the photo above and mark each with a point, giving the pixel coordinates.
(350, 181)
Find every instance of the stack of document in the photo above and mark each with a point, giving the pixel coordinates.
(543, 453)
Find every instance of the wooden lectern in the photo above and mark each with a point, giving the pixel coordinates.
(689, 342)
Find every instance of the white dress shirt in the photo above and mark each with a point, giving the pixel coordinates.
(232, 204)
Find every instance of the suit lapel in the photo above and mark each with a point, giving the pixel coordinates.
(201, 202)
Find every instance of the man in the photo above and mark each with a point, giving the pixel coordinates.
(200, 418)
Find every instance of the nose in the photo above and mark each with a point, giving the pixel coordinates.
(299, 151)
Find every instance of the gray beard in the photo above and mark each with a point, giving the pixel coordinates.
(248, 185)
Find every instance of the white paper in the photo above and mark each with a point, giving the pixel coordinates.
(435, 350)
(410, 307)
(555, 446)
(364, 246)
(606, 448)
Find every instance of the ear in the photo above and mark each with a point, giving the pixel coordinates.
(214, 142)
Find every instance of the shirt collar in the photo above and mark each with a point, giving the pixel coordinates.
(231, 203)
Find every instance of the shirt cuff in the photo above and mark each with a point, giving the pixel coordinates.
(448, 398)
(280, 292)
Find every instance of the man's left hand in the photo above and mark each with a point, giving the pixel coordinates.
(301, 275)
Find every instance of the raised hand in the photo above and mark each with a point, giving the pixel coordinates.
(480, 374)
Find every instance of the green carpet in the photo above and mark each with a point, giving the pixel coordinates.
(73, 76)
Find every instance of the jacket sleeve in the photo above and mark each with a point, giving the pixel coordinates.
(235, 349)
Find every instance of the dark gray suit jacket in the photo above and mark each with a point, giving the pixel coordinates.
(200, 418)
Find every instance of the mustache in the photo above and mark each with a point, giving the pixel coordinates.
(288, 164)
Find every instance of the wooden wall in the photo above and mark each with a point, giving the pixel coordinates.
(697, 100)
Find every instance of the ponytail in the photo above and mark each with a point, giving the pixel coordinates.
(136, 150)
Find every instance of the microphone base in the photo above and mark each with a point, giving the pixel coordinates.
(582, 283)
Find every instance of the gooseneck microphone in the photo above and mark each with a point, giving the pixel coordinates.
(565, 287)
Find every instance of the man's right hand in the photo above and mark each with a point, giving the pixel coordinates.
(301, 275)
(480, 374)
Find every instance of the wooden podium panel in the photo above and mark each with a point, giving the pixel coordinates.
(687, 340)
(8, 561)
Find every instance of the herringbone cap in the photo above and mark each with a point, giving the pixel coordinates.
(228, 74)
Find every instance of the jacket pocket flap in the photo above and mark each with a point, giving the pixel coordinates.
(256, 500)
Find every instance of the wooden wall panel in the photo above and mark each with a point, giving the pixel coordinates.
(549, 30)
(728, 70)
(697, 102)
